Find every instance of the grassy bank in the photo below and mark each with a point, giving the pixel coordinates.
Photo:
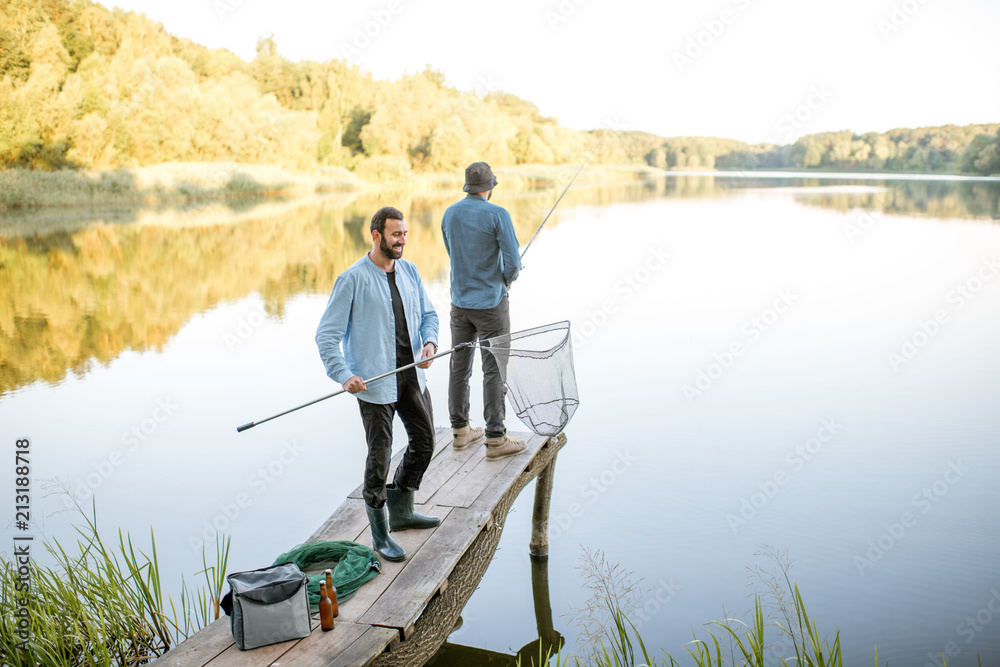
(163, 183)
(101, 604)
(183, 183)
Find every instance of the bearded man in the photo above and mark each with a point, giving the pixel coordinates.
(380, 318)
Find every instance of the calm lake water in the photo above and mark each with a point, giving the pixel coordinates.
(801, 364)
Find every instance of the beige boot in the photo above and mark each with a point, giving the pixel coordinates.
(498, 448)
(466, 436)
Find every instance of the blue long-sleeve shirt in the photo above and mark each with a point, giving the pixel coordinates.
(481, 242)
(359, 315)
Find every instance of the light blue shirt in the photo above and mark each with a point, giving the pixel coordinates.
(359, 315)
(481, 242)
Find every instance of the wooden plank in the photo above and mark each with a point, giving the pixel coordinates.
(411, 541)
(346, 523)
(263, 656)
(458, 477)
(478, 479)
(489, 497)
(441, 469)
(467, 485)
(329, 648)
(442, 439)
(424, 571)
(364, 651)
(200, 647)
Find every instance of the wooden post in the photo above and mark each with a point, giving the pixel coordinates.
(539, 546)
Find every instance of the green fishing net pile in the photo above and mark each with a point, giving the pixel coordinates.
(353, 566)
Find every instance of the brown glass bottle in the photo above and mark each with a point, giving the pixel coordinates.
(332, 592)
(325, 608)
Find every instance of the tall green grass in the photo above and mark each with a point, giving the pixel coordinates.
(103, 604)
(789, 636)
(748, 646)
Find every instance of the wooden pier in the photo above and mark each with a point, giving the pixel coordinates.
(407, 612)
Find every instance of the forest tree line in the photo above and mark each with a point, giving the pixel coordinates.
(83, 86)
(971, 149)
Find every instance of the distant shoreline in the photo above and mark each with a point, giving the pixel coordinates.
(182, 183)
(190, 183)
(835, 174)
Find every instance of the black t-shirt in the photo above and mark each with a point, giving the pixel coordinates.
(404, 353)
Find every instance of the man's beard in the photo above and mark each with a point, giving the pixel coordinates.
(388, 251)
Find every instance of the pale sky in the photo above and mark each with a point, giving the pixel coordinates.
(864, 65)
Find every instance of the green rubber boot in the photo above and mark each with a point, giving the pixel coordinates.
(383, 543)
(401, 514)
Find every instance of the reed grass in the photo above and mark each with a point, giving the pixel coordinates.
(215, 579)
(730, 641)
(184, 183)
(623, 646)
(101, 604)
(168, 183)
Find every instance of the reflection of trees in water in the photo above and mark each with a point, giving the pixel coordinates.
(84, 292)
(74, 299)
(933, 198)
(981, 199)
(937, 199)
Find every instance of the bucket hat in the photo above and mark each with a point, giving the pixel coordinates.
(479, 178)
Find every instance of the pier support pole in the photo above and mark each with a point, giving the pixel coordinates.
(539, 546)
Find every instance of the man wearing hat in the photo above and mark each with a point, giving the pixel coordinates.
(481, 242)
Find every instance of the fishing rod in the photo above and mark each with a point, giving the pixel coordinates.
(240, 429)
(584, 164)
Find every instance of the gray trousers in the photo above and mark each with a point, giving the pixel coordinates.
(467, 325)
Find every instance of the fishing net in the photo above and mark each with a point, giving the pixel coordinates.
(537, 367)
(353, 566)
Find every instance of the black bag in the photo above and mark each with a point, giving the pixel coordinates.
(268, 605)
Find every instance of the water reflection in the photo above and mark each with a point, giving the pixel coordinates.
(938, 199)
(81, 290)
(78, 296)
(548, 642)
